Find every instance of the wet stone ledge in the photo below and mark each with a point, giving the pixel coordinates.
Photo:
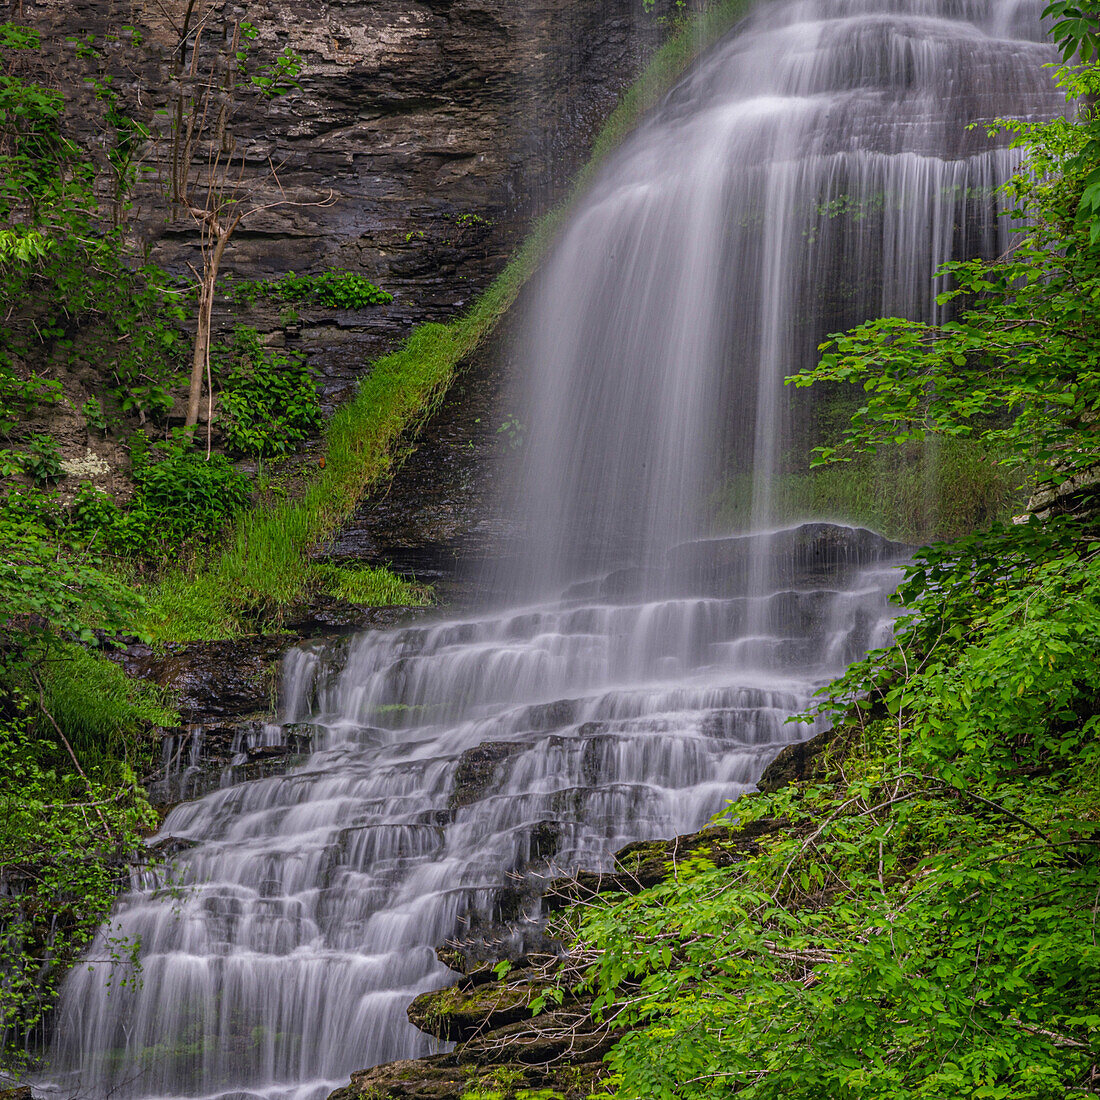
(227, 694)
(500, 1046)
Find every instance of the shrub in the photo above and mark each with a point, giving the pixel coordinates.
(187, 495)
(330, 289)
(180, 497)
(269, 404)
(42, 462)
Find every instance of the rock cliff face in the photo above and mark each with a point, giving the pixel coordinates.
(438, 126)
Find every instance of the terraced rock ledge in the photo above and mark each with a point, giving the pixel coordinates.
(509, 1044)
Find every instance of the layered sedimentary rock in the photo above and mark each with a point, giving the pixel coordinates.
(437, 126)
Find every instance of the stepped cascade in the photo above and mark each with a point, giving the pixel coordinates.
(812, 170)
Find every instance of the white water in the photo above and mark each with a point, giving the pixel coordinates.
(811, 171)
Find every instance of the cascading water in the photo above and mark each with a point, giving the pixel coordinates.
(813, 170)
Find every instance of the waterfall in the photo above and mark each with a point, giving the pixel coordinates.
(812, 170)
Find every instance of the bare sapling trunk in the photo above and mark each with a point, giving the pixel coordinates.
(218, 234)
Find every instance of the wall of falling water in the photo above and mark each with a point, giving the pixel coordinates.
(812, 170)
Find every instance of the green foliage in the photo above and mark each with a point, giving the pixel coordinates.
(71, 285)
(1076, 29)
(330, 290)
(64, 840)
(498, 1084)
(104, 713)
(277, 79)
(19, 397)
(187, 493)
(1017, 367)
(513, 430)
(73, 745)
(269, 404)
(42, 460)
(180, 496)
(93, 414)
(72, 810)
(45, 587)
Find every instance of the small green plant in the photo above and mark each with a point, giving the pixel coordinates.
(513, 429)
(93, 415)
(276, 79)
(330, 290)
(471, 221)
(20, 397)
(42, 461)
(498, 1084)
(269, 404)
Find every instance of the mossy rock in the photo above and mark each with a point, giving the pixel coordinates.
(436, 1078)
(459, 1013)
(645, 863)
(798, 763)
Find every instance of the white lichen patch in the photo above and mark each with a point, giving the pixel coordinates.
(90, 466)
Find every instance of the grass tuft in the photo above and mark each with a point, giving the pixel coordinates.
(371, 587)
(104, 713)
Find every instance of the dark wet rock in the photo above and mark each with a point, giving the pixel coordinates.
(213, 679)
(648, 862)
(299, 736)
(205, 756)
(442, 519)
(437, 1078)
(797, 763)
(1077, 496)
(166, 847)
(629, 583)
(20, 1092)
(544, 840)
(814, 554)
(325, 615)
(477, 769)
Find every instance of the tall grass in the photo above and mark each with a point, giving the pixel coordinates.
(104, 713)
(265, 566)
(916, 494)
